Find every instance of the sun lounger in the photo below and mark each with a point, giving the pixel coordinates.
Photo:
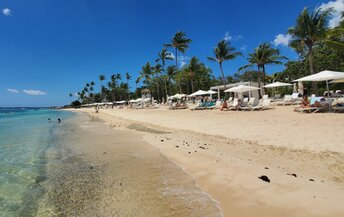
(234, 105)
(286, 101)
(264, 105)
(251, 103)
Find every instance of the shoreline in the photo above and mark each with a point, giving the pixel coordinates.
(213, 170)
(113, 172)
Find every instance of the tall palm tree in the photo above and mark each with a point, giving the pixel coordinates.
(180, 43)
(137, 81)
(163, 56)
(192, 68)
(146, 73)
(127, 77)
(223, 52)
(263, 55)
(157, 69)
(310, 29)
(171, 72)
(101, 79)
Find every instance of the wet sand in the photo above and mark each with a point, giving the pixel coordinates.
(306, 178)
(99, 171)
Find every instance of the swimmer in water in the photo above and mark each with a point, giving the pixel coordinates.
(59, 120)
(49, 120)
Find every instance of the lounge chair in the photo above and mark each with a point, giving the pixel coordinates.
(265, 104)
(251, 103)
(338, 105)
(234, 105)
(286, 101)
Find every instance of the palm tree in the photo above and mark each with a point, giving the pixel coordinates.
(127, 77)
(156, 71)
(101, 79)
(191, 69)
(263, 55)
(180, 43)
(163, 56)
(171, 72)
(137, 81)
(146, 73)
(310, 29)
(222, 52)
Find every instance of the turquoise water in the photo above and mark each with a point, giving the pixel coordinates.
(25, 136)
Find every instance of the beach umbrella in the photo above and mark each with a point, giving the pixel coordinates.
(337, 81)
(326, 75)
(241, 89)
(277, 84)
(178, 96)
(211, 92)
(198, 93)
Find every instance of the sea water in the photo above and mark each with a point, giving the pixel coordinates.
(25, 136)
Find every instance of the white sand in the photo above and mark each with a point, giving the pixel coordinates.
(226, 152)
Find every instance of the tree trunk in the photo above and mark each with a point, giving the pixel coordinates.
(223, 76)
(157, 91)
(176, 53)
(192, 86)
(259, 91)
(311, 69)
(263, 74)
(165, 82)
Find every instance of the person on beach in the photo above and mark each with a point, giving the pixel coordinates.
(224, 106)
(305, 102)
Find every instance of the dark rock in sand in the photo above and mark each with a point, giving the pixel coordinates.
(104, 152)
(189, 152)
(264, 178)
(292, 174)
(266, 168)
(162, 140)
(91, 167)
(177, 146)
(312, 180)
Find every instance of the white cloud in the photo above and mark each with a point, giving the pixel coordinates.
(182, 60)
(171, 55)
(243, 48)
(12, 90)
(6, 11)
(282, 39)
(35, 92)
(338, 8)
(227, 37)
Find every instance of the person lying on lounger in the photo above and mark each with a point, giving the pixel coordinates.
(224, 106)
(305, 102)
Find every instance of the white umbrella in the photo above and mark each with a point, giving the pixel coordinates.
(277, 84)
(178, 96)
(211, 92)
(241, 89)
(323, 76)
(199, 93)
(337, 81)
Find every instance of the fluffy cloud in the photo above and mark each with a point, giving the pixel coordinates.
(338, 8)
(282, 39)
(6, 11)
(182, 60)
(35, 92)
(227, 37)
(12, 90)
(243, 48)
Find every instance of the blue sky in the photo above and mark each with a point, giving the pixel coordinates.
(51, 48)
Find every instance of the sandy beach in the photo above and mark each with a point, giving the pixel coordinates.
(227, 152)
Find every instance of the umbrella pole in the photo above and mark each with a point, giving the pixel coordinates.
(328, 89)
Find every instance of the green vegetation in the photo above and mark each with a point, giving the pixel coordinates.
(318, 46)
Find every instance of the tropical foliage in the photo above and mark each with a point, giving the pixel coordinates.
(319, 48)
